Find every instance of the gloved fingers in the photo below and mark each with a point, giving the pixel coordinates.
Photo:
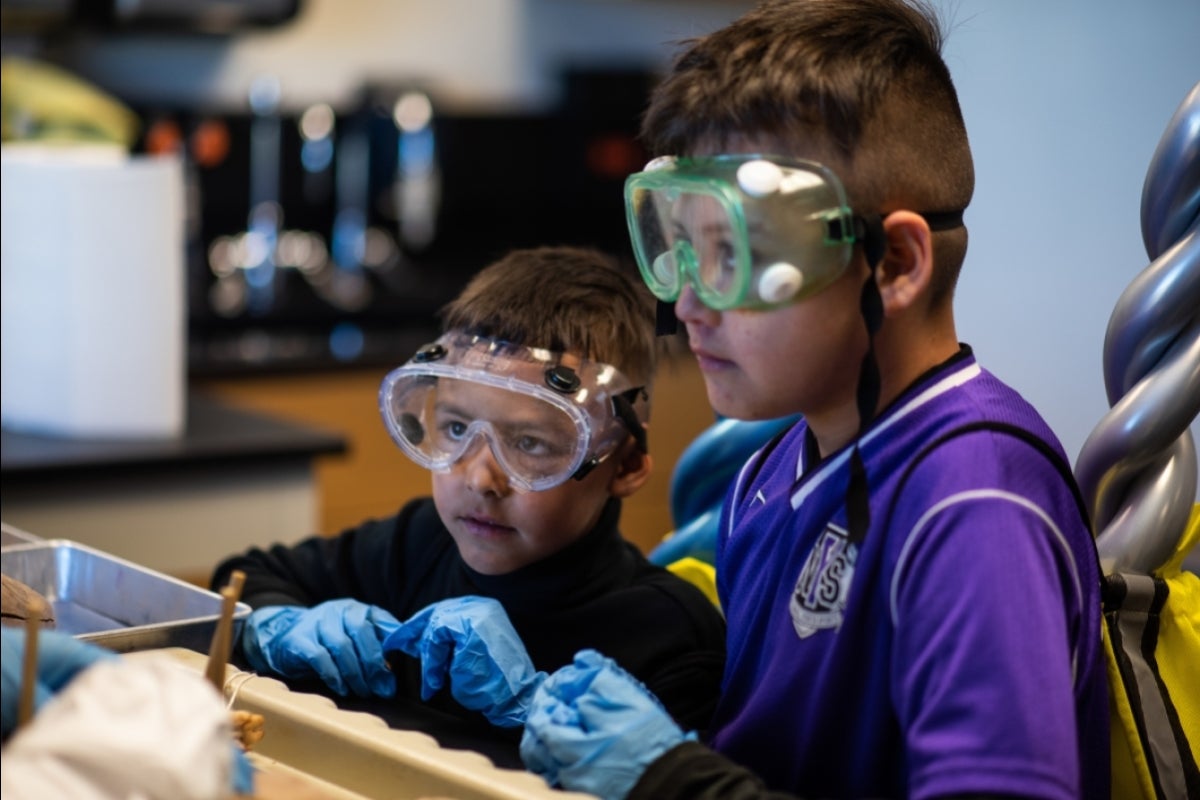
(601, 741)
(590, 698)
(417, 637)
(241, 777)
(336, 651)
(61, 657)
(363, 662)
(471, 605)
(613, 687)
(384, 623)
(408, 636)
(437, 653)
(536, 756)
(569, 682)
(302, 655)
(380, 625)
(593, 659)
(263, 634)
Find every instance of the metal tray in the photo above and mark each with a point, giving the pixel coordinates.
(115, 603)
(10, 536)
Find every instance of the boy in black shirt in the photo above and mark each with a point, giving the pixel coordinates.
(530, 411)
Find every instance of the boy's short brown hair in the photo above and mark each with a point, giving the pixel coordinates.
(859, 85)
(568, 299)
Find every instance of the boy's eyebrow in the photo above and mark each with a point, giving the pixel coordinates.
(707, 229)
(458, 410)
(450, 408)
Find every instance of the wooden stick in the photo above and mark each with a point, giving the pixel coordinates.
(34, 611)
(222, 641)
(237, 579)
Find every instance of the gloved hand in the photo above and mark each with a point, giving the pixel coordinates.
(338, 641)
(60, 658)
(241, 778)
(471, 640)
(595, 728)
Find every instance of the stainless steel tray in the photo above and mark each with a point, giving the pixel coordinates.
(10, 536)
(116, 603)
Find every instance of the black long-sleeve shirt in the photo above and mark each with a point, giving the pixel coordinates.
(600, 592)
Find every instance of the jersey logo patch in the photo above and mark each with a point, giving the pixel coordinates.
(820, 595)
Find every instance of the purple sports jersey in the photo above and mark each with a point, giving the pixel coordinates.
(957, 649)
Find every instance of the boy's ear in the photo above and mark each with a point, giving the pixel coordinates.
(633, 470)
(907, 266)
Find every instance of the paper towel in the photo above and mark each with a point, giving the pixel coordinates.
(93, 292)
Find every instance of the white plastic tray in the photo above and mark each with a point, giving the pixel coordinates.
(352, 755)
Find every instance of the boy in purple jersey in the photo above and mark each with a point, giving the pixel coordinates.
(910, 585)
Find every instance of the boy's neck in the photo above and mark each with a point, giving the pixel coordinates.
(901, 363)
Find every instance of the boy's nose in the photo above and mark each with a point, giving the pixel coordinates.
(483, 473)
(688, 307)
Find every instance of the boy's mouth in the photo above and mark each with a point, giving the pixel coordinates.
(486, 525)
(709, 362)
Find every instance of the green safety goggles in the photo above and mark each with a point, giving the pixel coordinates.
(747, 231)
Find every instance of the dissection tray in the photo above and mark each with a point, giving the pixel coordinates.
(113, 602)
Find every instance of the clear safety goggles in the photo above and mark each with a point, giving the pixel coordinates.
(545, 419)
(747, 231)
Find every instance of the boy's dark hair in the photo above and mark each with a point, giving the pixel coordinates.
(859, 85)
(572, 299)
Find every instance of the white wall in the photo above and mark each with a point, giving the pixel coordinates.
(1065, 101)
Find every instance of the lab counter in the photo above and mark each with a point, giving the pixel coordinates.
(234, 479)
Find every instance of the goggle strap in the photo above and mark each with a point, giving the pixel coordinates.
(623, 409)
(868, 375)
(858, 509)
(943, 220)
(869, 231)
(665, 321)
(858, 512)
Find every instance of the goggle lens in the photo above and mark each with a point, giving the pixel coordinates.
(744, 231)
(544, 419)
(442, 420)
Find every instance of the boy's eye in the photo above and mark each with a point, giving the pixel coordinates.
(533, 445)
(452, 429)
(726, 256)
(719, 265)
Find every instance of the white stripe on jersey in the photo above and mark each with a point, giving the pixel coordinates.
(947, 383)
(985, 494)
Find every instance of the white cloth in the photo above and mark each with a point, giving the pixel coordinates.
(125, 729)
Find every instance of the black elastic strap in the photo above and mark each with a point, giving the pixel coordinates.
(869, 231)
(665, 321)
(623, 408)
(943, 220)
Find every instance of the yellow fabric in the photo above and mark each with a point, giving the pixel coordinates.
(1179, 636)
(695, 571)
(1177, 655)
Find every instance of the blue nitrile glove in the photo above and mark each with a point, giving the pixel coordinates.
(471, 640)
(595, 728)
(241, 779)
(338, 641)
(60, 658)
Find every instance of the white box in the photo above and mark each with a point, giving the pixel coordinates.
(93, 292)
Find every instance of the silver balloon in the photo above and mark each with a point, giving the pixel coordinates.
(1138, 469)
